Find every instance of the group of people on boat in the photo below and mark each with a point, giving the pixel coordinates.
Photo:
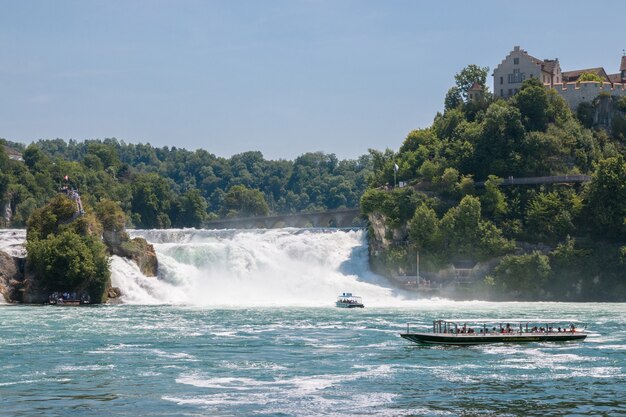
(509, 329)
(58, 297)
(349, 301)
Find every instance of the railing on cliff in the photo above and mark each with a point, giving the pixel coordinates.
(341, 218)
(553, 179)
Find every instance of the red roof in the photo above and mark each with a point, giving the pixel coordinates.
(571, 76)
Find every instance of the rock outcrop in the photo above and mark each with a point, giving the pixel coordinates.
(11, 277)
(137, 249)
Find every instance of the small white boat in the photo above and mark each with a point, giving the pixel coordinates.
(347, 300)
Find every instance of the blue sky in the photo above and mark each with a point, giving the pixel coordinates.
(282, 77)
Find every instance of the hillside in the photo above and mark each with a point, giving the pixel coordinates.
(172, 187)
(561, 241)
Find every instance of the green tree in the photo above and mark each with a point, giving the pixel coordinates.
(151, 200)
(70, 262)
(65, 252)
(590, 76)
(110, 215)
(453, 99)
(470, 75)
(493, 200)
(497, 150)
(245, 202)
(190, 209)
(605, 197)
(532, 102)
(523, 277)
(424, 228)
(549, 217)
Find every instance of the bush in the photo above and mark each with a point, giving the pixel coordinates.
(66, 253)
(70, 262)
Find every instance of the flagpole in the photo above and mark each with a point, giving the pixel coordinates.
(395, 172)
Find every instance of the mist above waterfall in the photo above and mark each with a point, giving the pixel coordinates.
(280, 267)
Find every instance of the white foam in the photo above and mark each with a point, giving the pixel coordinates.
(281, 267)
(12, 242)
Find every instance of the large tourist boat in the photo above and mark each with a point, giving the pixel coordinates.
(483, 331)
(347, 300)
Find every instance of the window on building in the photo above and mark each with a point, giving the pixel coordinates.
(516, 77)
(510, 92)
(501, 80)
(501, 93)
(515, 61)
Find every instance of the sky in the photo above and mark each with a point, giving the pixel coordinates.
(281, 77)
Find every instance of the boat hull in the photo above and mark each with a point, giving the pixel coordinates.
(463, 339)
(349, 305)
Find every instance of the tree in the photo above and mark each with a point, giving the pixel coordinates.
(190, 209)
(605, 197)
(243, 201)
(493, 200)
(47, 220)
(590, 76)
(424, 228)
(497, 150)
(469, 76)
(65, 252)
(151, 199)
(70, 262)
(549, 218)
(453, 99)
(110, 215)
(524, 276)
(532, 102)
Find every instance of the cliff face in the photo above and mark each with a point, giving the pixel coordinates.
(11, 277)
(392, 257)
(605, 111)
(137, 249)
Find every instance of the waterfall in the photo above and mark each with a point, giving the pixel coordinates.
(279, 267)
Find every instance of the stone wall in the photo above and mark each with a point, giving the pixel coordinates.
(576, 93)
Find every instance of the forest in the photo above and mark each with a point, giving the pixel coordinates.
(549, 241)
(171, 187)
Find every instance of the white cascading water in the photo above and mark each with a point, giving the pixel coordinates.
(280, 267)
(12, 243)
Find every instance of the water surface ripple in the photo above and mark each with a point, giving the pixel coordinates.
(187, 361)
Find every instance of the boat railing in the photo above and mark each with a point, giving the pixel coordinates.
(453, 328)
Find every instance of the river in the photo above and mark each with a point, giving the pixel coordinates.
(243, 323)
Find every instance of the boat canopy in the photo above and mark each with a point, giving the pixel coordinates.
(514, 320)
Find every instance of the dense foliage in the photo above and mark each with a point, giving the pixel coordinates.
(171, 187)
(456, 206)
(65, 250)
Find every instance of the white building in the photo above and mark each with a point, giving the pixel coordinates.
(519, 66)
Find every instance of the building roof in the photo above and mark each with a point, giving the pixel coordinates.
(615, 78)
(549, 64)
(476, 87)
(570, 76)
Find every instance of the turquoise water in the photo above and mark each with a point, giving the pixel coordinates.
(133, 360)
